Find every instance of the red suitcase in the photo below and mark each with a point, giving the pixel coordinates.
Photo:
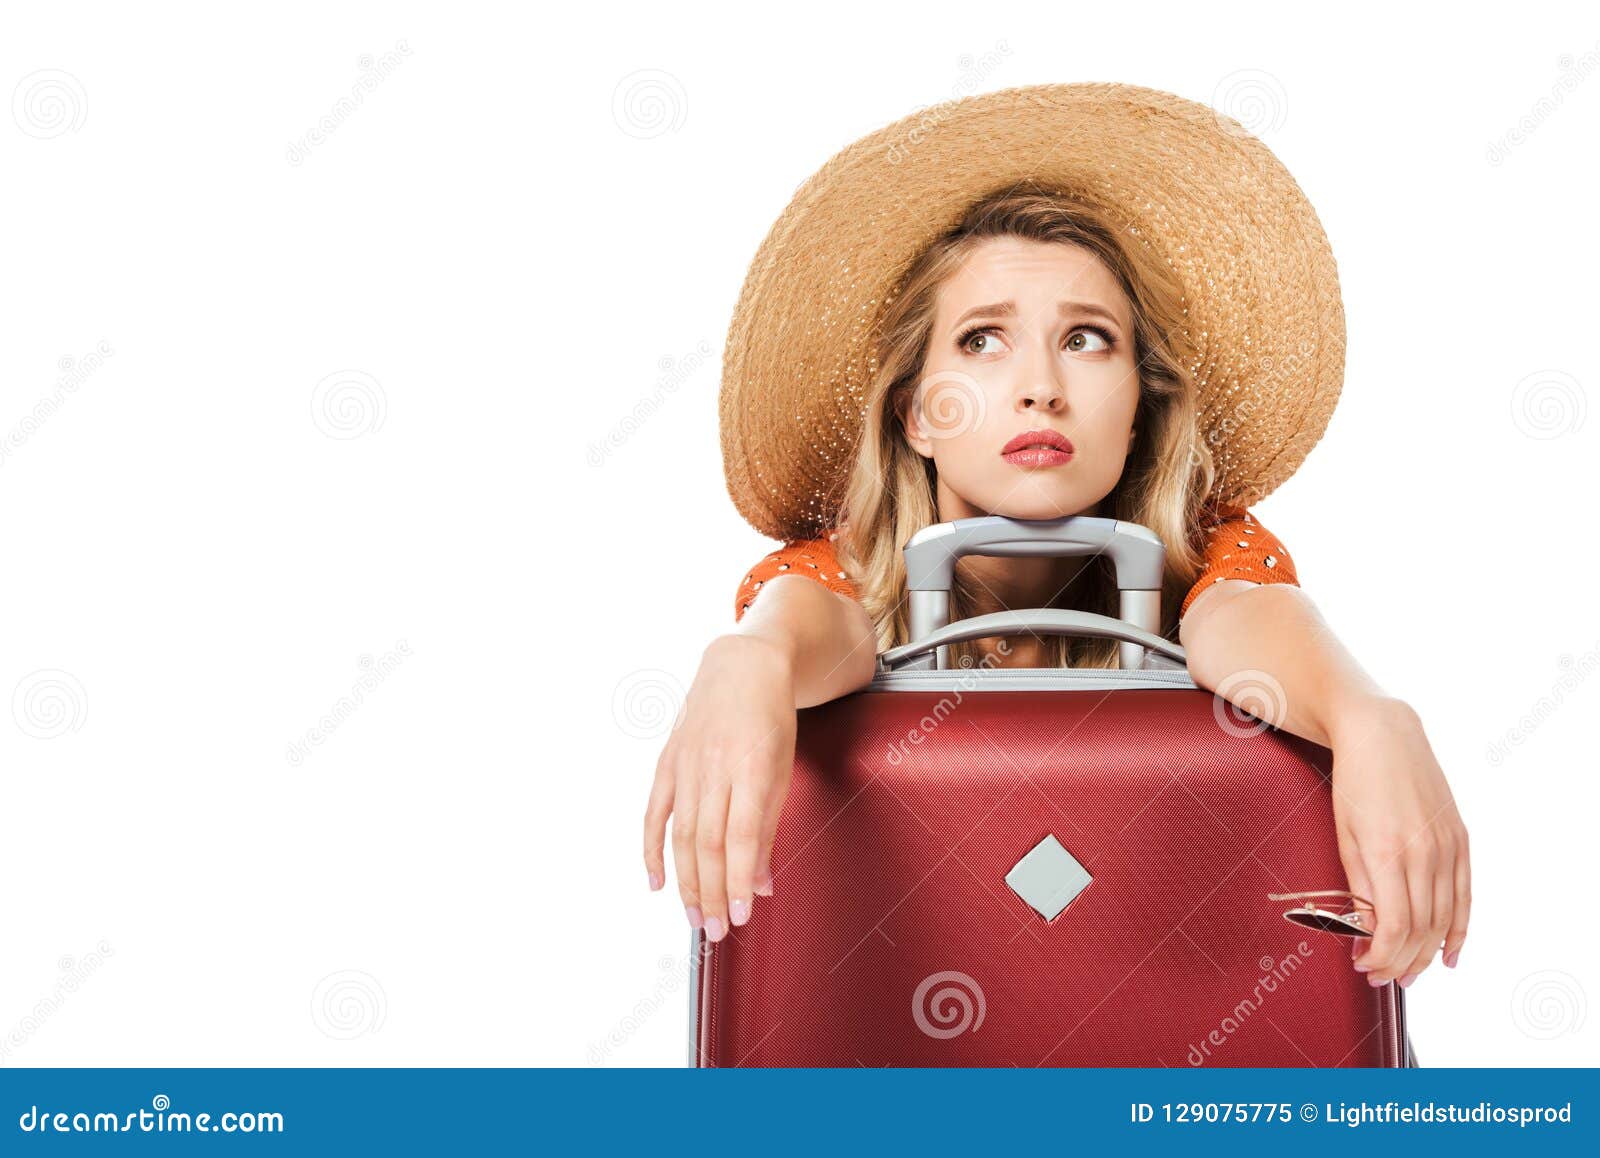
(938, 818)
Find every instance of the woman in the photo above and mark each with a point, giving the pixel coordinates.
(1035, 361)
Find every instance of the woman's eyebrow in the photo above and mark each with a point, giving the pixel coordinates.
(998, 309)
(1094, 309)
(1007, 309)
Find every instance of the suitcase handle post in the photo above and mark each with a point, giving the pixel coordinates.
(1137, 553)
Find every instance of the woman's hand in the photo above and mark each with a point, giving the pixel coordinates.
(1401, 840)
(722, 777)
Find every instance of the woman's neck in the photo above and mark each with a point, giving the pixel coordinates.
(1016, 584)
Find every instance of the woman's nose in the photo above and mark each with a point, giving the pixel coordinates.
(1047, 395)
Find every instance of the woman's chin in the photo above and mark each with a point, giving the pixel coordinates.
(1034, 495)
(1020, 506)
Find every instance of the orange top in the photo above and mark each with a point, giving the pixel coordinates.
(1237, 547)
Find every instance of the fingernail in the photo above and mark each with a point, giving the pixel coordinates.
(1405, 982)
(738, 912)
(714, 929)
(764, 884)
(1360, 968)
(695, 920)
(655, 880)
(1376, 981)
(1450, 959)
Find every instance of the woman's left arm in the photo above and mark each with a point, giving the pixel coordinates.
(1266, 648)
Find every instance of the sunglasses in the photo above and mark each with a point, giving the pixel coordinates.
(1348, 924)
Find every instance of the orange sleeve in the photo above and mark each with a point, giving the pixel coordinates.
(1238, 547)
(813, 558)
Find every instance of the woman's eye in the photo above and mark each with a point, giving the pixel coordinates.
(969, 343)
(1078, 341)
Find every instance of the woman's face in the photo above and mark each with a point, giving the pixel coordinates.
(1028, 336)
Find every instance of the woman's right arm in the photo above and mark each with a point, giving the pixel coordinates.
(724, 772)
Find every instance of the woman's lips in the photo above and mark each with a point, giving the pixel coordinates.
(1038, 456)
(1038, 448)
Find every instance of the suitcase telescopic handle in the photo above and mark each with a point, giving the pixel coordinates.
(1035, 621)
(1136, 552)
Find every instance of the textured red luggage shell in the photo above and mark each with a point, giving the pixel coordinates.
(893, 938)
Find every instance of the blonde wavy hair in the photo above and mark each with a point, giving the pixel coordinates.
(890, 493)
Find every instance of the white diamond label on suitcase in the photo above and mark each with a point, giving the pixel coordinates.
(1049, 878)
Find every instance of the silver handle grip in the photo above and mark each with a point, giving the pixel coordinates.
(1037, 621)
(1136, 552)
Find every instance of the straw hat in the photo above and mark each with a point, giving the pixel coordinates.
(1261, 287)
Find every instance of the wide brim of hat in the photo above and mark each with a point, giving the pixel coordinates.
(1263, 309)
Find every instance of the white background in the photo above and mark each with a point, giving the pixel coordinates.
(531, 231)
